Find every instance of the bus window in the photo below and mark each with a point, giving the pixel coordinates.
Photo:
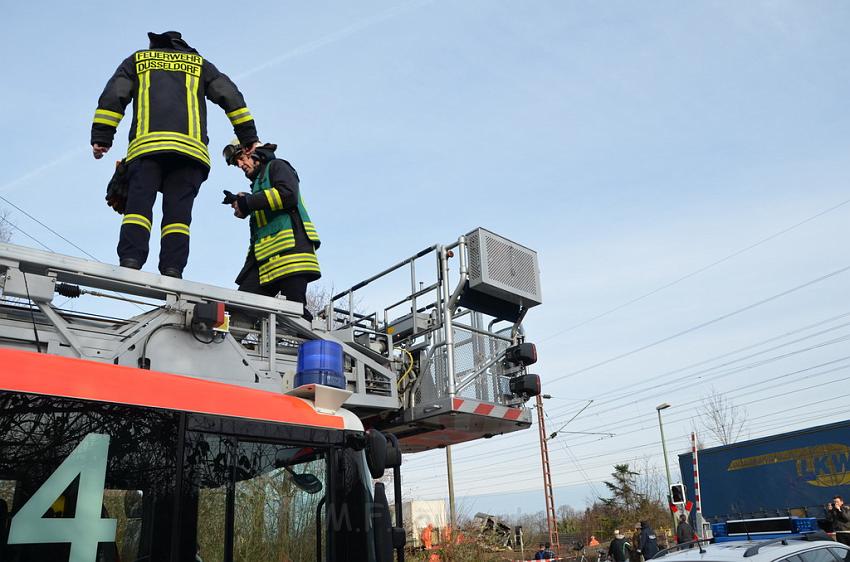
(206, 479)
(350, 514)
(7, 493)
(273, 488)
(127, 507)
(275, 515)
(104, 482)
(47, 461)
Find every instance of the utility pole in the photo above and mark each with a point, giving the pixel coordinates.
(658, 408)
(551, 517)
(452, 513)
(442, 259)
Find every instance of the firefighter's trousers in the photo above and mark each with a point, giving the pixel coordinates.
(293, 287)
(179, 179)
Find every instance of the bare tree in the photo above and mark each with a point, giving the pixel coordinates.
(650, 481)
(695, 428)
(318, 297)
(721, 418)
(5, 226)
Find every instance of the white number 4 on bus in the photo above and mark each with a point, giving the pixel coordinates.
(86, 528)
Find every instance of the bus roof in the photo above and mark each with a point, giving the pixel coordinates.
(52, 375)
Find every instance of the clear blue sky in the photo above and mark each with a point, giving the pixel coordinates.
(630, 143)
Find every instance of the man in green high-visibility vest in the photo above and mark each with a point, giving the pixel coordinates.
(282, 257)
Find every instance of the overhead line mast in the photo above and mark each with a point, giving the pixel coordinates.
(551, 517)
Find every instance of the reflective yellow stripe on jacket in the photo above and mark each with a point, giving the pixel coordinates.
(280, 266)
(310, 229)
(143, 104)
(106, 117)
(274, 199)
(239, 116)
(168, 140)
(192, 107)
(270, 245)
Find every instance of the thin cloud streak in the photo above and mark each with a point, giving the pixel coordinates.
(333, 37)
(298, 51)
(41, 169)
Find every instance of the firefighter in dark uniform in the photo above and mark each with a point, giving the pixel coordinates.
(168, 84)
(282, 255)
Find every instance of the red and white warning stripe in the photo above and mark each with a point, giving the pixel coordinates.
(696, 472)
(487, 409)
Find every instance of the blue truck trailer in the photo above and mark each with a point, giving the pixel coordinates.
(795, 473)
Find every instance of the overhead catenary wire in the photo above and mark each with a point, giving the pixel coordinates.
(4, 219)
(520, 450)
(616, 456)
(575, 459)
(791, 391)
(705, 324)
(463, 490)
(25, 233)
(697, 271)
(656, 442)
(566, 423)
(47, 228)
(687, 378)
(648, 416)
(686, 384)
(745, 368)
(665, 375)
(461, 460)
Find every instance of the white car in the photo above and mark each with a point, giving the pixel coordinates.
(810, 547)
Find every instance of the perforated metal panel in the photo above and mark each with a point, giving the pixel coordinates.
(472, 350)
(503, 269)
(474, 255)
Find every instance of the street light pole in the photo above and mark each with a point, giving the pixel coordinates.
(658, 408)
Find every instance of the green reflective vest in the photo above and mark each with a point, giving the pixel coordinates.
(273, 238)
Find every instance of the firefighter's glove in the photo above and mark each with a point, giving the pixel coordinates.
(116, 190)
(239, 202)
(229, 197)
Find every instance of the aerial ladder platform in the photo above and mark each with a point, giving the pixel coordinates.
(444, 363)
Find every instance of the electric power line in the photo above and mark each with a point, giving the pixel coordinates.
(665, 375)
(575, 460)
(25, 233)
(519, 452)
(742, 369)
(705, 324)
(697, 271)
(687, 381)
(820, 416)
(48, 228)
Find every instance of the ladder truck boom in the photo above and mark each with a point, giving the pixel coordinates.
(171, 408)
